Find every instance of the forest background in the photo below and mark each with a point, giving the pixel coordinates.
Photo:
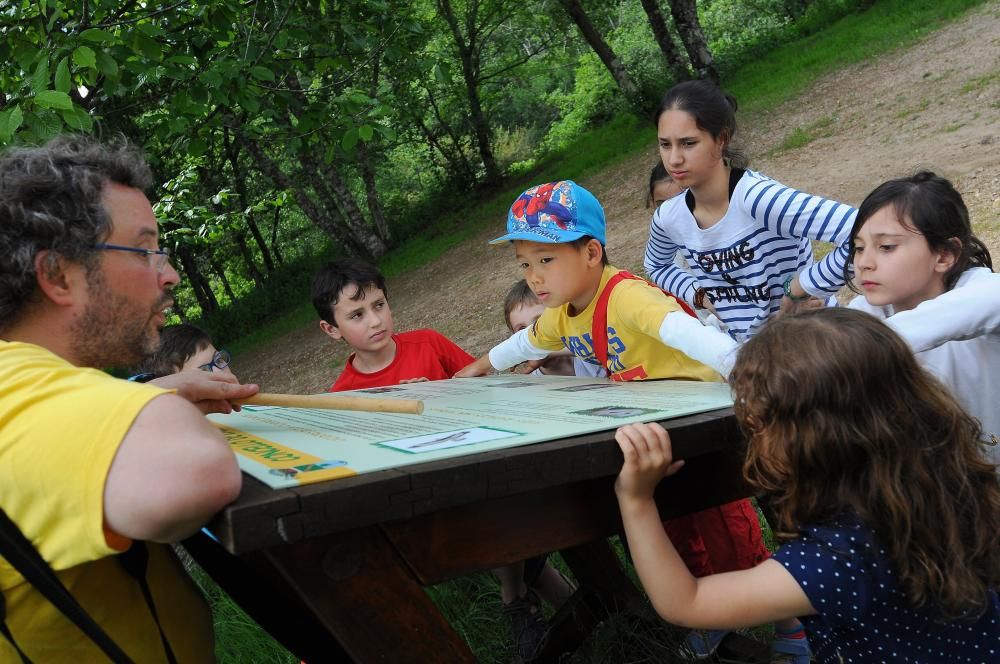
(286, 133)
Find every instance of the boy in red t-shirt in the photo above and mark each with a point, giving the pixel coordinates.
(350, 297)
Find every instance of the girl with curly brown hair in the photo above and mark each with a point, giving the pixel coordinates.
(887, 509)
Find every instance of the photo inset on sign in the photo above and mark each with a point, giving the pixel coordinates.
(615, 411)
(306, 468)
(445, 439)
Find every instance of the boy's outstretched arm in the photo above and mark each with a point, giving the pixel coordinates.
(505, 355)
(480, 367)
(755, 596)
(704, 343)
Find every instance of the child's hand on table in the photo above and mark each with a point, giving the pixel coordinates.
(648, 459)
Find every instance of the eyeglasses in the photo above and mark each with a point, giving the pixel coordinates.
(220, 360)
(157, 258)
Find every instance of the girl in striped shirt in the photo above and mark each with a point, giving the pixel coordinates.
(744, 236)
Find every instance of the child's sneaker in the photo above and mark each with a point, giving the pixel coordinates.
(702, 644)
(527, 625)
(791, 648)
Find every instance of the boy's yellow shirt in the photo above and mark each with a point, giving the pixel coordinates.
(635, 352)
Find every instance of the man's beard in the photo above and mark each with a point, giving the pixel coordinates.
(114, 331)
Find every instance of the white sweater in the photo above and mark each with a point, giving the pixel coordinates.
(956, 336)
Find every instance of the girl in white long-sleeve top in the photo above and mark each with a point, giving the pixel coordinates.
(921, 269)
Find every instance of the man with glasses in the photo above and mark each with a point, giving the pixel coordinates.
(89, 464)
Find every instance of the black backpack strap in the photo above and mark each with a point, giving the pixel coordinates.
(134, 562)
(23, 556)
(6, 631)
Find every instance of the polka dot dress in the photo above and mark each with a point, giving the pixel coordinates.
(863, 617)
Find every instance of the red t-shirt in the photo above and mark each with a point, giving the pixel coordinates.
(419, 354)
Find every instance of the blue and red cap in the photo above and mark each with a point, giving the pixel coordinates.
(555, 212)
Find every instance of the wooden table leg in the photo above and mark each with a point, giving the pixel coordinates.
(598, 569)
(603, 588)
(257, 592)
(362, 591)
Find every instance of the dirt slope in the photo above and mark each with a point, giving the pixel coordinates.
(934, 105)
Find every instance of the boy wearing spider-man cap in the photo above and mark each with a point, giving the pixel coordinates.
(603, 315)
(632, 329)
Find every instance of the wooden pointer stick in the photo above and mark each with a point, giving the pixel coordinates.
(410, 406)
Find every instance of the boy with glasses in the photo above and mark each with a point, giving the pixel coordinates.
(183, 347)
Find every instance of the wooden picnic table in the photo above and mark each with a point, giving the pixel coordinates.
(336, 570)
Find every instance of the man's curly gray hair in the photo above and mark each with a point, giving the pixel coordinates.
(50, 199)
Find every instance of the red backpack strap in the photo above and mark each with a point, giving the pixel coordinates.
(599, 331)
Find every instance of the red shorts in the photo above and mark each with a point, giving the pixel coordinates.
(720, 539)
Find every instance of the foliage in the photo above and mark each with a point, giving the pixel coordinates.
(743, 28)
(285, 130)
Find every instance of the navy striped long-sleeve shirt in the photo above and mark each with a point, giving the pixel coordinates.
(742, 260)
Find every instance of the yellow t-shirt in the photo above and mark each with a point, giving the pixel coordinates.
(60, 427)
(635, 351)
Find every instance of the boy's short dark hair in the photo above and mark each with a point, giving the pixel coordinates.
(582, 242)
(177, 344)
(337, 275)
(520, 295)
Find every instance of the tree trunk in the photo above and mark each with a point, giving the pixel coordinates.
(459, 159)
(202, 291)
(456, 165)
(470, 73)
(353, 217)
(368, 173)
(329, 183)
(604, 52)
(274, 235)
(258, 278)
(371, 192)
(685, 13)
(675, 62)
(239, 180)
(308, 207)
(220, 272)
(329, 202)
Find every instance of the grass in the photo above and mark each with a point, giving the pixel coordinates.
(238, 639)
(907, 112)
(890, 24)
(295, 319)
(802, 136)
(472, 604)
(979, 82)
